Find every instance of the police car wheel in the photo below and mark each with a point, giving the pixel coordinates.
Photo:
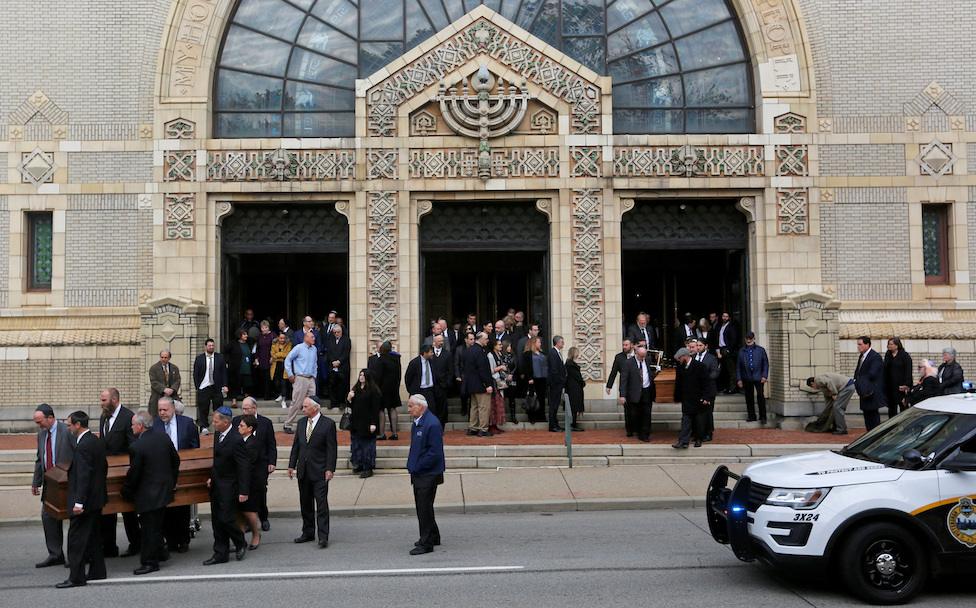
(883, 563)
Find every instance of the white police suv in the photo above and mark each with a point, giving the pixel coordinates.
(884, 513)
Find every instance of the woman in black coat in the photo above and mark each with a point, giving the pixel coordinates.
(574, 386)
(364, 419)
(897, 376)
(259, 480)
(388, 379)
(950, 372)
(928, 385)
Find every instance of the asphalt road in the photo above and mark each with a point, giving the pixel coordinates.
(612, 558)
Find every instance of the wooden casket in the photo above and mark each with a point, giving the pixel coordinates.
(664, 385)
(191, 486)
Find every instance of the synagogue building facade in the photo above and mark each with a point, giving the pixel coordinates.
(807, 165)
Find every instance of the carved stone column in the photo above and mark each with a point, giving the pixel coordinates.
(179, 325)
(382, 266)
(588, 281)
(803, 332)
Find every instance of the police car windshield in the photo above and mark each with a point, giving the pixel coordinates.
(915, 429)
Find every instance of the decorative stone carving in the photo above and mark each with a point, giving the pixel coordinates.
(464, 162)
(423, 208)
(223, 209)
(145, 131)
(299, 165)
(381, 164)
(37, 167)
(747, 205)
(544, 205)
(585, 162)
(791, 210)
(180, 128)
(936, 159)
(342, 208)
(423, 123)
(933, 95)
(826, 125)
(827, 195)
(588, 317)
(184, 56)
(179, 166)
(543, 121)
(382, 269)
(780, 73)
(913, 123)
(476, 112)
(802, 336)
(791, 160)
(790, 123)
(178, 221)
(482, 38)
(38, 104)
(689, 161)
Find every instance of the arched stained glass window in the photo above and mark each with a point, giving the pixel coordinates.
(288, 67)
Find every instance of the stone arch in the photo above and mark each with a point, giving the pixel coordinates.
(774, 30)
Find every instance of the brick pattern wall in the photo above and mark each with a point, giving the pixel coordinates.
(856, 246)
(3, 166)
(971, 223)
(4, 248)
(109, 167)
(868, 159)
(846, 362)
(871, 57)
(67, 384)
(971, 162)
(103, 78)
(106, 267)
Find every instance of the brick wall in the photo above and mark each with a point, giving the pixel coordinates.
(871, 57)
(106, 267)
(864, 244)
(67, 383)
(971, 160)
(871, 160)
(95, 60)
(971, 223)
(3, 165)
(848, 361)
(96, 167)
(4, 248)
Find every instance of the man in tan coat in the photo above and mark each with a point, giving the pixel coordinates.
(837, 390)
(164, 381)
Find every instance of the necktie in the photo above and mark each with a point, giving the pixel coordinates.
(309, 427)
(166, 375)
(210, 370)
(426, 374)
(860, 360)
(48, 453)
(222, 435)
(643, 374)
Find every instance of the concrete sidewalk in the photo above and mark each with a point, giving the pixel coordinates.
(503, 490)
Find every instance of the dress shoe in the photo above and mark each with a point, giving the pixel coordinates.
(215, 560)
(680, 446)
(95, 578)
(762, 421)
(381, 437)
(241, 553)
(436, 543)
(265, 525)
(69, 584)
(698, 444)
(645, 439)
(577, 428)
(145, 569)
(51, 561)
(751, 419)
(484, 434)
(557, 429)
(289, 431)
(182, 548)
(707, 438)
(838, 432)
(420, 550)
(323, 544)
(304, 539)
(472, 432)
(356, 470)
(630, 434)
(394, 437)
(366, 474)
(253, 547)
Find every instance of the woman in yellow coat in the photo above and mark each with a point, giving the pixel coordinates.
(279, 351)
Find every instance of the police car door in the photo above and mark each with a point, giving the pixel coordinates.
(954, 518)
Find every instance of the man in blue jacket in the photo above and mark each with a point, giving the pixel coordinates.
(752, 373)
(867, 382)
(425, 463)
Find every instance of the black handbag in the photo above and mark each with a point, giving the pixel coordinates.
(531, 402)
(346, 421)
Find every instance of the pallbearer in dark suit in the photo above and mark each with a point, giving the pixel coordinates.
(443, 365)
(246, 427)
(267, 454)
(150, 483)
(425, 463)
(696, 391)
(313, 459)
(115, 430)
(55, 446)
(557, 381)
(420, 377)
(637, 393)
(183, 434)
(869, 382)
(229, 483)
(86, 498)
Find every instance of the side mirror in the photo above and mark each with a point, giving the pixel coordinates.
(912, 457)
(959, 461)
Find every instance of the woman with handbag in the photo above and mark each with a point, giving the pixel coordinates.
(362, 417)
(499, 373)
(574, 386)
(534, 372)
(512, 391)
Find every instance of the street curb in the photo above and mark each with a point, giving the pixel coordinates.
(542, 506)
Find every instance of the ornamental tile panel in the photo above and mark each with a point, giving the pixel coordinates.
(588, 281)
(688, 161)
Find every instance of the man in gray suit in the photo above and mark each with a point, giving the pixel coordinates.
(55, 447)
(164, 381)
